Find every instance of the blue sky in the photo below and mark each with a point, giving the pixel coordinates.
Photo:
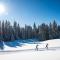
(30, 11)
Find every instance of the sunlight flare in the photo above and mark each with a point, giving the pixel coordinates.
(2, 9)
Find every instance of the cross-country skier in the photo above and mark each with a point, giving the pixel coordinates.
(46, 46)
(37, 47)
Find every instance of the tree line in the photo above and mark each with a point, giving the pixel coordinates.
(41, 32)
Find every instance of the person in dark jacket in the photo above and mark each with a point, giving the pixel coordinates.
(46, 46)
(37, 47)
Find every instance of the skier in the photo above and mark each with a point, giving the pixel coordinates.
(37, 47)
(46, 46)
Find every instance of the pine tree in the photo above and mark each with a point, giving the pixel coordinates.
(43, 32)
(54, 30)
(3, 31)
(34, 31)
(15, 30)
(59, 31)
(50, 31)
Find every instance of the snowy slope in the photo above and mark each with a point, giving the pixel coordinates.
(55, 43)
(27, 51)
(32, 55)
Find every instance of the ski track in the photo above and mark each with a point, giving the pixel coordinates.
(28, 50)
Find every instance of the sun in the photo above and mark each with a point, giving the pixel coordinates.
(2, 9)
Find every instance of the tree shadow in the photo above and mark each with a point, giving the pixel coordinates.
(13, 44)
(1, 45)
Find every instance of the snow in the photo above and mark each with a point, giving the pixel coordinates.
(27, 51)
(36, 55)
(55, 43)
